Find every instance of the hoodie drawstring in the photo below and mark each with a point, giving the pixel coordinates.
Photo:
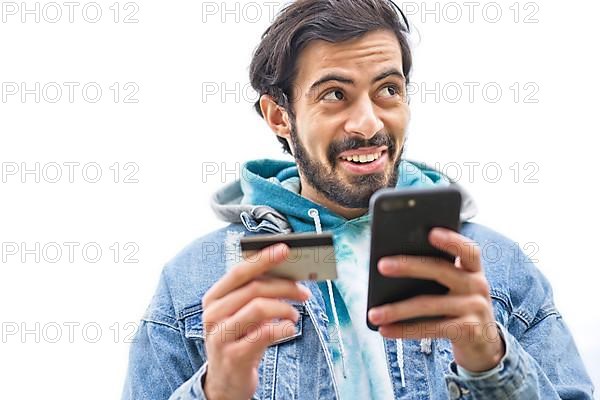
(337, 324)
(314, 214)
(400, 357)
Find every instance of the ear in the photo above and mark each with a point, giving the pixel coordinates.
(275, 116)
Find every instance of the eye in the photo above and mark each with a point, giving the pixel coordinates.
(334, 95)
(390, 91)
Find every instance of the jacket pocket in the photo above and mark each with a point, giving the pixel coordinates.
(194, 330)
(194, 326)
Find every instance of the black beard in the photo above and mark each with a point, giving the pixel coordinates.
(358, 192)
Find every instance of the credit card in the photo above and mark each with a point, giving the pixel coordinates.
(311, 255)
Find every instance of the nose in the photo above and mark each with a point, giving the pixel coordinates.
(363, 119)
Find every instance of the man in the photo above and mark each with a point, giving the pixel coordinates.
(332, 77)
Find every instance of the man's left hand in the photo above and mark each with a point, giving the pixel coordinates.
(468, 320)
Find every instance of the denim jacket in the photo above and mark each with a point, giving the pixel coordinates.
(168, 356)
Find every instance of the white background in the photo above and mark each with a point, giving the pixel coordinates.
(177, 131)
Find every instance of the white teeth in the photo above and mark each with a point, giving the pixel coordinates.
(363, 158)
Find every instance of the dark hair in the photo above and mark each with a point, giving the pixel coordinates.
(273, 68)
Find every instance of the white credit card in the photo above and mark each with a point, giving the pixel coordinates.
(311, 255)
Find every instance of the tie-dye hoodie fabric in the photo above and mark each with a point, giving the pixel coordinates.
(268, 191)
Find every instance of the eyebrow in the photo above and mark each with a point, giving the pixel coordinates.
(343, 79)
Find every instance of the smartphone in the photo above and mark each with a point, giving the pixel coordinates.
(311, 255)
(400, 225)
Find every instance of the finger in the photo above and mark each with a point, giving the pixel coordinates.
(269, 287)
(435, 269)
(246, 271)
(443, 327)
(458, 329)
(457, 245)
(446, 306)
(250, 317)
(250, 348)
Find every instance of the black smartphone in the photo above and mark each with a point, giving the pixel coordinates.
(400, 224)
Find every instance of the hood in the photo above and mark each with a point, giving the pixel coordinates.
(266, 197)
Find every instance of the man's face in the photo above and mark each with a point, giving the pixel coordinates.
(351, 117)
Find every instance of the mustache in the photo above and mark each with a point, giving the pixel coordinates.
(353, 143)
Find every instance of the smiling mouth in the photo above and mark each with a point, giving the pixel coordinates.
(363, 155)
(364, 161)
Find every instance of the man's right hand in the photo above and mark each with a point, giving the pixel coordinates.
(238, 314)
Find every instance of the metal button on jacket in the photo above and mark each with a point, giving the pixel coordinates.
(454, 390)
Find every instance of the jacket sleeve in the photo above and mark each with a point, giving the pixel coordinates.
(549, 368)
(541, 359)
(159, 365)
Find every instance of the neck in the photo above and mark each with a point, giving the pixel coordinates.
(310, 193)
